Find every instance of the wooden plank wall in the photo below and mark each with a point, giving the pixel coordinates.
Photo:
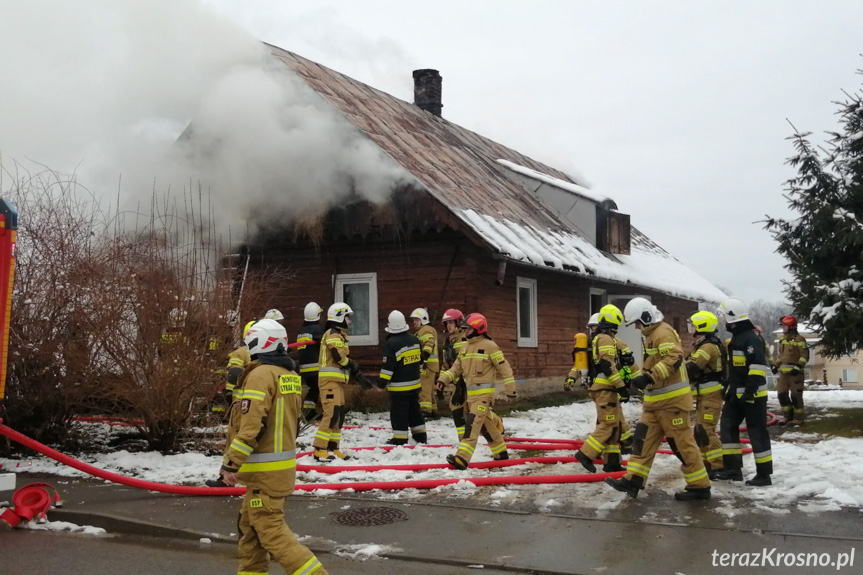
(412, 273)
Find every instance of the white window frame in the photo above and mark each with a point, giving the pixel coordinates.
(845, 371)
(603, 296)
(529, 284)
(372, 280)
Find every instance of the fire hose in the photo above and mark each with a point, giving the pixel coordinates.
(557, 444)
(31, 502)
(355, 486)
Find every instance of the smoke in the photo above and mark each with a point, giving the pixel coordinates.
(105, 88)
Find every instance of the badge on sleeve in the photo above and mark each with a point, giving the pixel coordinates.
(244, 405)
(750, 350)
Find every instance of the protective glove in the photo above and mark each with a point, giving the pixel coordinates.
(748, 394)
(354, 369)
(364, 382)
(795, 371)
(774, 369)
(624, 394)
(642, 381)
(568, 383)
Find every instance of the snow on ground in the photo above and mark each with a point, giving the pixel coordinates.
(62, 526)
(804, 474)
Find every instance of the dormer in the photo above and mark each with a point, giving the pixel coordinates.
(587, 213)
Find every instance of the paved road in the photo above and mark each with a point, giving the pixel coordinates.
(50, 553)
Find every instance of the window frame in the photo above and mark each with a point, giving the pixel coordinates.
(371, 279)
(603, 298)
(531, 285)
(852, 369)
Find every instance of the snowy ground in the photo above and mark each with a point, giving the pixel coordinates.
(805, 478)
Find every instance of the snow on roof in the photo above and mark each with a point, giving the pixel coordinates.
(460, 169)
(556, 182)
(647, 266)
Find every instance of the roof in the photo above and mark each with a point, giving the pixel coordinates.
(468, 174)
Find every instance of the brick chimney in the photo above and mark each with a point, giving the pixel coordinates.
(427, 90)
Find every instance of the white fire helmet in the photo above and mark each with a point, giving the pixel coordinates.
(274, 314)
(312, 312)
(593, 321)
(396, 322)
(265, 336)
(640, 309)
(338, 312)
(421, 314)
(733, 310)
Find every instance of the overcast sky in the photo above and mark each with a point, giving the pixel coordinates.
(676, 110)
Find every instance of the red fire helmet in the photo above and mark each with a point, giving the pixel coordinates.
(478, 322)
(790, 321)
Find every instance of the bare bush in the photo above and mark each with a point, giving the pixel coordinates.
(118, 314)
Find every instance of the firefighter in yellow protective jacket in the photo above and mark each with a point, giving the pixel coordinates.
(336, 369)
(481, 364)
(792, 357)
(667, 407)
(262, 455)
(431, 364)
(606, 391)
(453, 321)
(238, 361)
(705, 367)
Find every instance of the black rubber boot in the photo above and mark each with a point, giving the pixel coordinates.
(394, 441)
(612, 468)
(759, 481)
(585, 461)
(624, 485)
(456, 462)
(729, 474)
(501, 456)
(421, 438)
(693, 493)
(215, 482)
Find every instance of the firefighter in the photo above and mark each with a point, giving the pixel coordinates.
(336, 369)
(309, 354)
(453, 323)
(575, 374)
(274, 315)
(745, 398)
(792, 357)
(481, 364)
(667, 407)
(262, 454)
(430, 364)
(400, 375)
(705, 367)
(606, 390)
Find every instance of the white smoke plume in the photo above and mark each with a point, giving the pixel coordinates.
(105, 88)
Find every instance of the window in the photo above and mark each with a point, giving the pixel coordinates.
(526, 303)
(849, 375)
(597, 300)
(613, 232)
(360, 291)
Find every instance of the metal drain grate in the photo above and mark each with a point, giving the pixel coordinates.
(369, 516)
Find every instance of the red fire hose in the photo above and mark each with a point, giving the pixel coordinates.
(356, 486)
(31, 502)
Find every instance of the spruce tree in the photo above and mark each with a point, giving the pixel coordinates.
(824, 244)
